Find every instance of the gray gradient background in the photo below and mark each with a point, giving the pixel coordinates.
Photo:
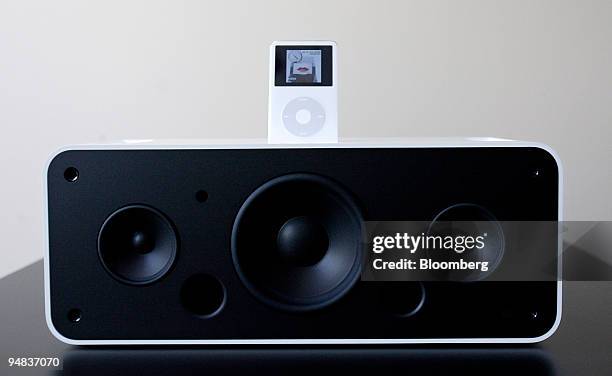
(79, 71)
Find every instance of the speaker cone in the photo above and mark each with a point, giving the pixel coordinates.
(296, 242)
(473, 220)
(137, 244)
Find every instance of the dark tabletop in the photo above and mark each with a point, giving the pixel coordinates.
(581, 346)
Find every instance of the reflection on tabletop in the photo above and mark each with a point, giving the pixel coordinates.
(320, 361)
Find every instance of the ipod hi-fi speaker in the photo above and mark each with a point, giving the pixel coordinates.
(245, 243)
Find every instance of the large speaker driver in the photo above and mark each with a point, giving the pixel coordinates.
(296, 242)
(137, 244)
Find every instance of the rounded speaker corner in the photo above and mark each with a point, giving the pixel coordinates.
(556, 323)
(55, 157)
(56, 332)
(551, 155)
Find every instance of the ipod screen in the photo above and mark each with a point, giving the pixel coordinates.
(303, 66)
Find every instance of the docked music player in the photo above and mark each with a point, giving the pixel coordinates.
(303, 93)
(257, 243)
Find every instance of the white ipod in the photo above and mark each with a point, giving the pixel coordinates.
(303, 97)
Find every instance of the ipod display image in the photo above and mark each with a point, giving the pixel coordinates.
(303, 66)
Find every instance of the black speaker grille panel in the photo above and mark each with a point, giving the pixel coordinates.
(387, 184)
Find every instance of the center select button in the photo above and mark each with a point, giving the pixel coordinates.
(304, 116)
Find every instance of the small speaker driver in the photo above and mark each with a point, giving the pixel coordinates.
(467, 219)
(137, 244)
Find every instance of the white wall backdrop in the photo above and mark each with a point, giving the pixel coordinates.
(88, 71)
